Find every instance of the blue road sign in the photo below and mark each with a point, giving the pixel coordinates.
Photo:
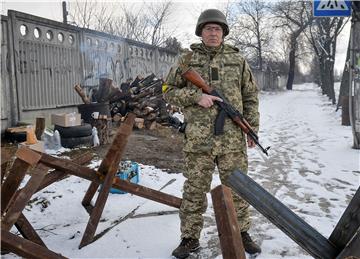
(324, 8)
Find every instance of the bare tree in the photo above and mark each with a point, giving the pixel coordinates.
(133, 22)
(82, 14)
(251, 31)
(323, 35)
(158, 16)
(293, 16)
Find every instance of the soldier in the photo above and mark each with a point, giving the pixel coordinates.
(225, 70)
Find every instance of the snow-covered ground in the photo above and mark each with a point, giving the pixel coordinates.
(312, 168)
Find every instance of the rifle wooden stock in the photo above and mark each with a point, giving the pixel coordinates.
(195, 78)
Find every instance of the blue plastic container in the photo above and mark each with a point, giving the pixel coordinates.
(129, 172)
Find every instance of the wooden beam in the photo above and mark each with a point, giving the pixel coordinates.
(26, 158)
(122, 185)
(28, 155)
(39, 127)
(112, 158)
(97, 210)
(109, 168)
(227, 225)
(348, 224)
(26, 248)
(86, 202)
(27, 231)
(19, 203)
(280, 215)
(57, 175)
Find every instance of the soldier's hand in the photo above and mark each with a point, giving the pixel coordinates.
(207, 100)
(250, 142)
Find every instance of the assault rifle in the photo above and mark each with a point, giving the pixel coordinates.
(192, 76)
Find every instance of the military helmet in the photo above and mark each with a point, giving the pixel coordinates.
(211, 16)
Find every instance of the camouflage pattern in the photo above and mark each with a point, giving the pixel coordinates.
(235, 82)
(203, 150)
(200, 167)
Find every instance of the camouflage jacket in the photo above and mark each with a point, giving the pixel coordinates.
(225, 70)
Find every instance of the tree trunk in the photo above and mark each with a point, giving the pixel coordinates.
(291, 73)
(330, 77)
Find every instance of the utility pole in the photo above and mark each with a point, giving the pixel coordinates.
(65, 12)
(354, 89)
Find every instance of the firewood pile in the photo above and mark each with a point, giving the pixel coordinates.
(142, 96)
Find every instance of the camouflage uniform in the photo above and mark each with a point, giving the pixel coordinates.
(224, 69)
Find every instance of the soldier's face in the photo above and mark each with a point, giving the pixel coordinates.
(212, 35)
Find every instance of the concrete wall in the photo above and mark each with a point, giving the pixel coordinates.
(42, 60)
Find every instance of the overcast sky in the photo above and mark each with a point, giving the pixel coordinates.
(184, 17)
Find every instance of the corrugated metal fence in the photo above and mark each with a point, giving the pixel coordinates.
(41, 61)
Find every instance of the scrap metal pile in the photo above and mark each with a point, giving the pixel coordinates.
(142, 96)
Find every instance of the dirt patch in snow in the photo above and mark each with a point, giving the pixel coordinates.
(161, 147)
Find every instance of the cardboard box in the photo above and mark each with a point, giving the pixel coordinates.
(66, 119)
(39, 146)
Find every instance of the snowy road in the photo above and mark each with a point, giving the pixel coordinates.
(311, 168)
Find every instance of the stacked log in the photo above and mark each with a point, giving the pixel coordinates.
(142, 96)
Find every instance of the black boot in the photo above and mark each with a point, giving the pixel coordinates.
(186, 246)
(249, 245)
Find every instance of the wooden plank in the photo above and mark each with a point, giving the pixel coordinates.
(27, 155)
(12, 182)
(86, 202)
(147, 193)
(280, 215)
(227, 225)
(26, 248)
(97, 210)
(57, 175)
(118, 145)
(17, 129)
(92, 175)
(22, 223)
(27, 231)
(39, 127)
(352, 249)
(6, 161)
(108, 167)
(348, 224)
(4, 169)
(19, 203)
(112, 157)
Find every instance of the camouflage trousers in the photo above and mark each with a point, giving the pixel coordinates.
(199, 170)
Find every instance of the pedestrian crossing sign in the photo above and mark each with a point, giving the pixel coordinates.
(324, 8)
